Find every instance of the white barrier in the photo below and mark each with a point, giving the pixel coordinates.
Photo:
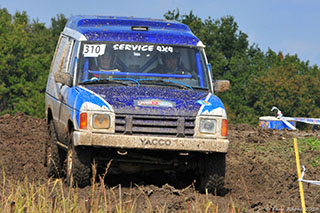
(313, 121)
(307, 181)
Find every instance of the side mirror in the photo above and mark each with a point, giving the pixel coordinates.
(63, 78)
(221, 85)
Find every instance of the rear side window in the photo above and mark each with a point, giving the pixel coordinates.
(61, 60)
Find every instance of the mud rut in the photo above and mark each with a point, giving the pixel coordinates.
(255, 179)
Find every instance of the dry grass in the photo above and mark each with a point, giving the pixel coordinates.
(55, 196)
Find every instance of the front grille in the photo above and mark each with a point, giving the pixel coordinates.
(154, 125)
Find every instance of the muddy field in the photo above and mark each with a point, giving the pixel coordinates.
(261, 170)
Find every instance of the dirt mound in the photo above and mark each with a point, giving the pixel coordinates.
(261, 170)
(22, 140)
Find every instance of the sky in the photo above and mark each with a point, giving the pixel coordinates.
(289, 26)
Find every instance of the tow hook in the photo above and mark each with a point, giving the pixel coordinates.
(122, 152)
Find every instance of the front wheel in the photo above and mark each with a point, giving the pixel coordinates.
(78, 165)
(212, 174)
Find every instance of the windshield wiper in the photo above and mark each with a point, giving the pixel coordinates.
(165, 82)
(109, 80)
(200, 88)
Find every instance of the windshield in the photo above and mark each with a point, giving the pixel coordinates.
(143, 63)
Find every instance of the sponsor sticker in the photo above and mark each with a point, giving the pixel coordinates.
(154, 103)
(159, 142)
(202, 102)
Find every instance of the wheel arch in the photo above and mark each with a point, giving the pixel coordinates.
(70, 126)
(49, 115)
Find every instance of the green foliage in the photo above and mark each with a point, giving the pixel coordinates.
(285, 85)
(26, 50)
(57, 25)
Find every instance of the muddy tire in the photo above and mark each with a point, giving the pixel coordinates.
(78, 165)
(213, 169)
(53, 154)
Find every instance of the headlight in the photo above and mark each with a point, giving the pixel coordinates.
(101, 121)
(208, 125)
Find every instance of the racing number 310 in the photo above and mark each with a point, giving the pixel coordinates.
(91, 49)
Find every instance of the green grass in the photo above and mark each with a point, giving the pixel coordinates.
(311, 147)
(312, 144)
(316, 161)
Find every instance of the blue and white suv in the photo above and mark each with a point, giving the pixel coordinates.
(138, 92)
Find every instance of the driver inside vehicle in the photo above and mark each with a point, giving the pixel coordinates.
(106, 61)
(170, 64)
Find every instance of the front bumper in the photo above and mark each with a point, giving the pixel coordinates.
(150, 142)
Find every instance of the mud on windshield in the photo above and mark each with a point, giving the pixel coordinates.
(141, 62)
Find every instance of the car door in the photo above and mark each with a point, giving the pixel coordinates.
(53, 87)
(60, 64)
(68, 94)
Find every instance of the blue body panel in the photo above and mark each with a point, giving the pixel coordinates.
(124, 99)
(77, 96)
(119, 29)
(141, 100)
(212, 103)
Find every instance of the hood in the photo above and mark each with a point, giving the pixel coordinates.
(145, 100)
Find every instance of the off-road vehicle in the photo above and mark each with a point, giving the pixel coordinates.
(138, 92)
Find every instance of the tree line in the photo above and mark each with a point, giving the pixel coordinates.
(259, 80)
(26, 51)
